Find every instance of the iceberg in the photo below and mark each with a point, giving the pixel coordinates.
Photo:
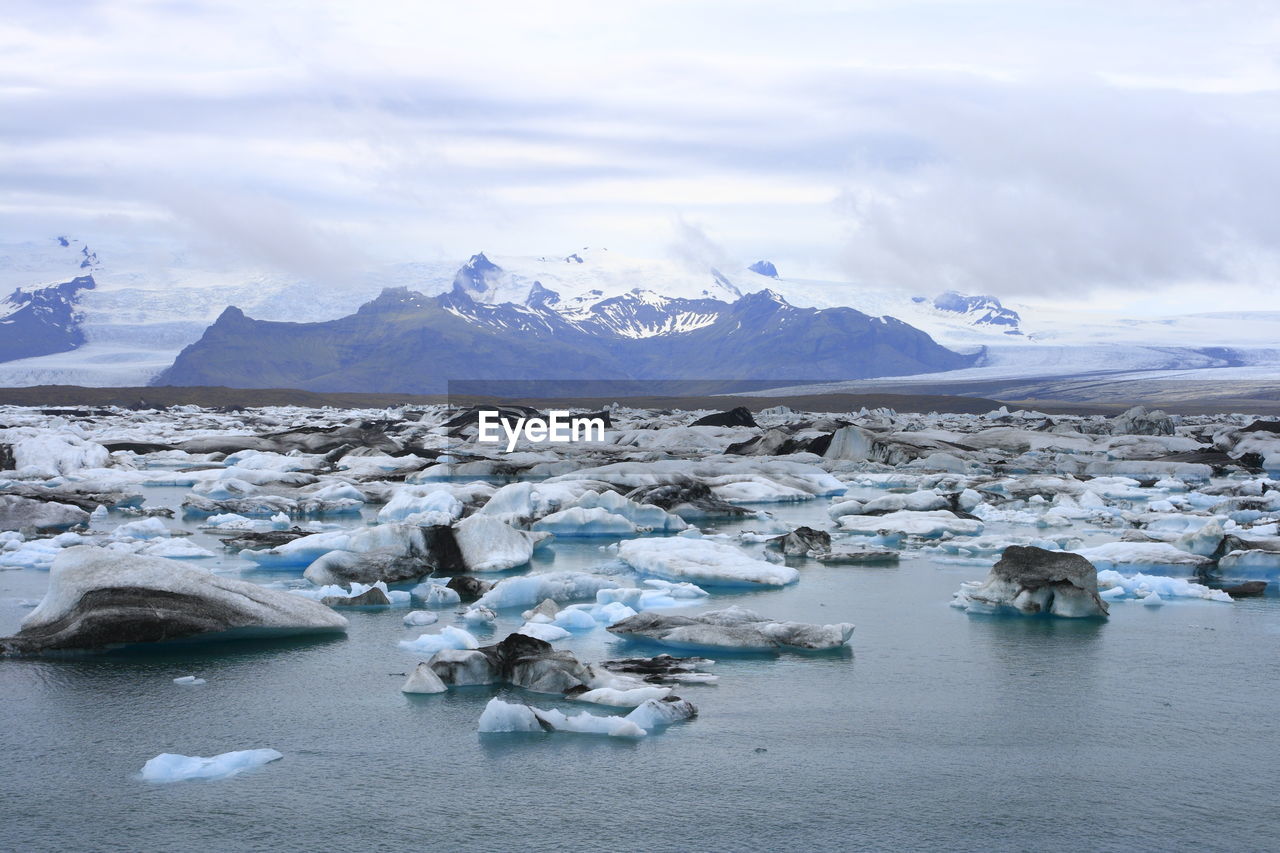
(170, 767)
(488, 544)
(529, 590)
(500, 716)
(702, 562)
(582, 522)
(1032, 581)
(449, 637)
(732, 628)
(926, 525)
(99, 598)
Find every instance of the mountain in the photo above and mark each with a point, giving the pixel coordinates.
(977, 310)
(152, 298)
(42, 320)
(405, 341)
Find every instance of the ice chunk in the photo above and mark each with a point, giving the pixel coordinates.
(434, 594)
(543, 631)
(188, 680)
(660, 712)
(926, 525)
(558, 586)
(1114, 555)
(435, 499)
(423, 679)
(477, 615)
(615, 698)
(732, 628)
(448, 638)
(420, 618)
(1031, 581)
(490, 545)
(170, 767)
(98, 598)
(1118, 587)
(702, 562)
(580, 522)
(502, 716)
(146, 528)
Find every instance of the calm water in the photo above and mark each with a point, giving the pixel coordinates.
(1154, 731)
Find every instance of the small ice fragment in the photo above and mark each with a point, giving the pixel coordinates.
(170, 767)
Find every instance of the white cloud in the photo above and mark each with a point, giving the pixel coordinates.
(1024, 149)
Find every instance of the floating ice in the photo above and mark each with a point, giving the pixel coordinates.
(1115, 586)
(170, 767)
(926, 525)
(582, 522)
(188, 680)
(423, 679)
(490, 545)
(500, 716)
(732, 628)
(702, 562)
(448, 638)
(1114, 555)
(528, 590)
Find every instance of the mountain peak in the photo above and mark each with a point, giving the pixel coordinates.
(767, 295)
(983, 310)
(541, 297)
(765, 268)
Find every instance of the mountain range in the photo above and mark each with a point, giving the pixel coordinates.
(406, 341)
(128, 314)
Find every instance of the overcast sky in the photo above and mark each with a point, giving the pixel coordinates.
(1115, 152)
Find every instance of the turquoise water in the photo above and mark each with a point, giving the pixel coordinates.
(1152, 731)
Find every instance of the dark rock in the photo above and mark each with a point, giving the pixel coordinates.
(1246, 589)
(1263, 426)
(772, 442)
(663, 669)
(374, 597)
(693, 497)
(740, 416)
(802, 540)
(139, 447)
(261, 540)
(468, 588)
(386, 565)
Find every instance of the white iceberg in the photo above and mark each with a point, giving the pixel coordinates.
(170, 767)
(449, 637)
(702, 562)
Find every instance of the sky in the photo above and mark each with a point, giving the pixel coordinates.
(1099, 154)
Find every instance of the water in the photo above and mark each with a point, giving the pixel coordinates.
(1153, 731)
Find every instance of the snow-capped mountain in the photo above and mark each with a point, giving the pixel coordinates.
(977, 310)
(149, 302)
(41, 320)
(409, 342)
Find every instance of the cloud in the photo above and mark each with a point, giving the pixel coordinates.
(986, 145)
(1048, 189)
(693, 249)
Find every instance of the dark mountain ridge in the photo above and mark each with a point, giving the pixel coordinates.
(404, 341)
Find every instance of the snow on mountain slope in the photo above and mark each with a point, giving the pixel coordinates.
(149, 302)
